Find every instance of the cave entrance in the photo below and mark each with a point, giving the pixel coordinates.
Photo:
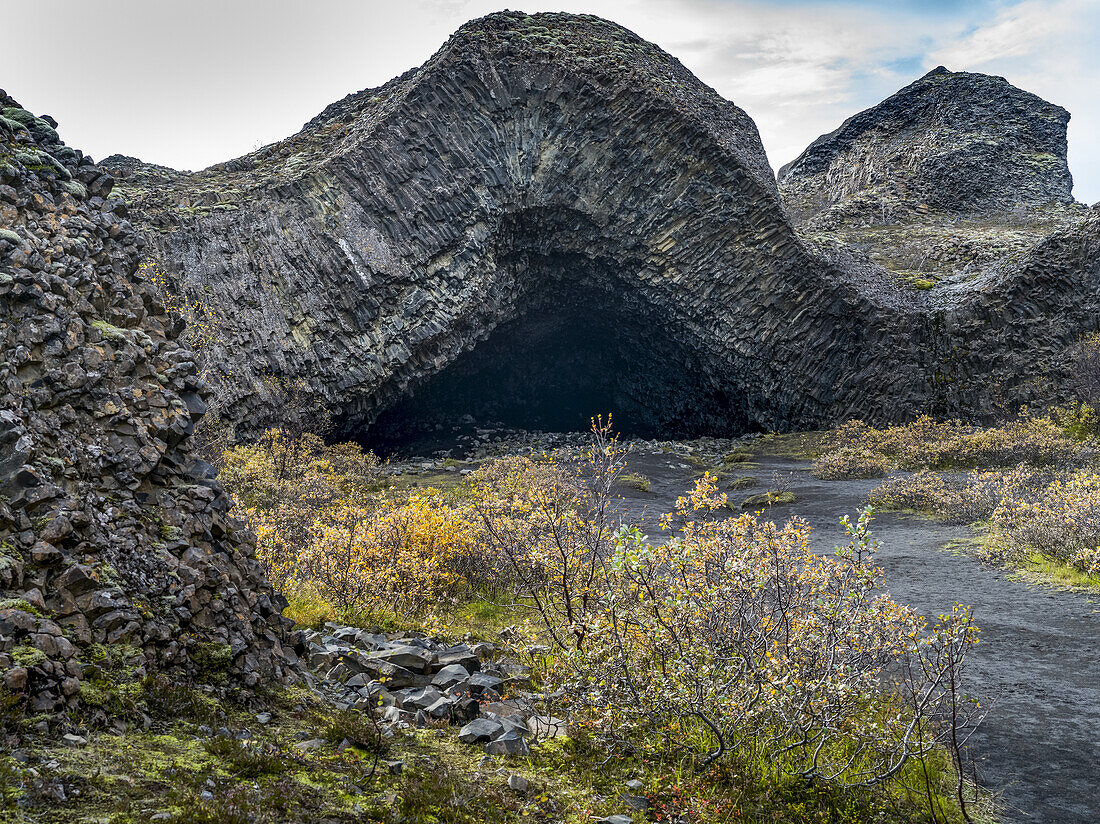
(574, 348)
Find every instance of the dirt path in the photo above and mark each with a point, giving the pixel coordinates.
(1038, 664)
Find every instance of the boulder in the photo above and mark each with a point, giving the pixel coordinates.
(480, 731)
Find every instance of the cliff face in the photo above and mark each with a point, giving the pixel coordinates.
(553, 218)
(110, 534)
(951, 141)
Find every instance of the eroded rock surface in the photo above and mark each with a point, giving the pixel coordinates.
(553, 218)
(114, 542)
(951, 141)
(956, 173)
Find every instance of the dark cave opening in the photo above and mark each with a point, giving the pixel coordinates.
(577, 347)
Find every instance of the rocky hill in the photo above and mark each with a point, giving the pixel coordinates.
(954, 142)
(114, 541)
(953, 175)
(552, 208)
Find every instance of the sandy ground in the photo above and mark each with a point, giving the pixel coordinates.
(1038, 663)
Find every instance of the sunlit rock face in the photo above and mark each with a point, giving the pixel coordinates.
(549, 219)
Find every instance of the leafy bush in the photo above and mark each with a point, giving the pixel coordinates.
(1060, 520)
(850, 462)
(855, 449)
(552, 529)
(735, 634)
(392, 557)
(954, 498)
(731, 638)
(283, 485)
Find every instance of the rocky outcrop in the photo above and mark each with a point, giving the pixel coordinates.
(953, 142)
(114, 542)
(553, 218)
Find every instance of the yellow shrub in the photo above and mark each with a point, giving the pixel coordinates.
(395, 557)
(282, 485)
(1060, 520)
(929, 444)
(850, 462)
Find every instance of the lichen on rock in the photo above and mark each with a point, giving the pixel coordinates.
(97, 401)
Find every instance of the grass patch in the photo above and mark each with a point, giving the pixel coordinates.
(796, 445)
(770, 498)
(1040, 569)
(635, 480)
(742, 482)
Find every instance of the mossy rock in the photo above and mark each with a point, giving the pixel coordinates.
(75, 188)
(742, 482)
(27, 656)
(635, 480)
(212, 660)
(766, 499)
(111, 333)
(20, 604)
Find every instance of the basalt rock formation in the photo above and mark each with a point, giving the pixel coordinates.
(552, 218)
(955, 173)
(951, 141)
(114, 542)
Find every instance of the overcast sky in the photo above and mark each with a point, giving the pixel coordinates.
(188, 83)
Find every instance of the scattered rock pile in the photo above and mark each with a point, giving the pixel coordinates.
(415, 680)
(111, 535)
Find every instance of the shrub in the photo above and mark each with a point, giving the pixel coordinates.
(850, 462)
(553, 530)
(283, 485)
(734, 638)
(394, 557)
(1060, 520)
(1077, 420)
(929, 444)
(359, 728)
(955, 498)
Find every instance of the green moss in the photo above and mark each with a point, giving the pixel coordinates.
(10, 125)
(1043, 570)
(635, 480)
(27, 656)
(923, 284)
(75, 188)
(742, 482)
(20, 604)
(111, 333)
(770, 498)
(169, 533)
(212, 660)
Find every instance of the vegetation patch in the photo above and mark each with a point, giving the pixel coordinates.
(769, 498)
(635, 480)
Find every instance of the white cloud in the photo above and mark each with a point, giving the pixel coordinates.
(189, 84)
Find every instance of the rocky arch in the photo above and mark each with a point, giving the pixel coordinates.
(396, 238)
(579, 336)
